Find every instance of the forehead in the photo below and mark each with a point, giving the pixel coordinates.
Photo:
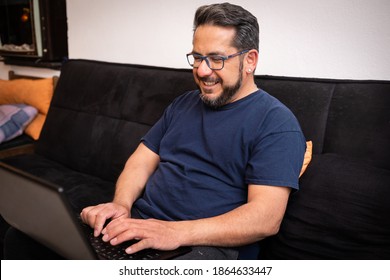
(210, 39)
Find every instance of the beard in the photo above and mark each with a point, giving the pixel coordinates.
(228, 92)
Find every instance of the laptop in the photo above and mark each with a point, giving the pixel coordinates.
(41, 210)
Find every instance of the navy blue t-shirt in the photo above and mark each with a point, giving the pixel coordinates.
(209, 156)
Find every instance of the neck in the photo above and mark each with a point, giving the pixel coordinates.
(245, 90)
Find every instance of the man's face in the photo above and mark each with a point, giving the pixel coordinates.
(217, 87)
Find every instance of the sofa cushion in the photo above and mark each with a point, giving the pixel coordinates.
(359, 122)
(36, 93)
(336, 215)
(307, 157)
(81, 189)
(13, 120)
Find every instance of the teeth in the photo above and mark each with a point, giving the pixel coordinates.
(209, 83)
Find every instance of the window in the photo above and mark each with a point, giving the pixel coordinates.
(33, 32)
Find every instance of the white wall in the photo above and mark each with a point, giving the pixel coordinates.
(348, 39)
(306, 38)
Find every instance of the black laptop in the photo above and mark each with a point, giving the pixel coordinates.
(42, 210)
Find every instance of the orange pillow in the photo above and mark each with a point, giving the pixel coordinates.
(36, 93)
(35, 127)
(307, 158)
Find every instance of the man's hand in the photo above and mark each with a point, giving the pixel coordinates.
(260, 217)
(151, 233)
(96, 216)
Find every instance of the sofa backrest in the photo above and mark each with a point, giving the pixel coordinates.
(345, 117)
(100, 111)
(359, 122)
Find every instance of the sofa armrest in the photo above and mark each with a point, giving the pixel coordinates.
(20, 145)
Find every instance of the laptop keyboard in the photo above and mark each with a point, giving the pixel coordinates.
(107, 251)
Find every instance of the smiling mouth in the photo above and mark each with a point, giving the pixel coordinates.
(209, 82)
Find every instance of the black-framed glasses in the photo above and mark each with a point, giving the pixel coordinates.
(214, 61)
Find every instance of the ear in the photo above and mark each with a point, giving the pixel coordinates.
(251, 61)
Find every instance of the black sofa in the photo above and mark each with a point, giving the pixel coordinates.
(100, 110)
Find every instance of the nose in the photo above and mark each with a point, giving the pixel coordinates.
(203, 69)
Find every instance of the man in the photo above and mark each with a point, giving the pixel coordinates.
(215, 172)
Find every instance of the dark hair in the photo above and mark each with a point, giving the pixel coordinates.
(229, 15)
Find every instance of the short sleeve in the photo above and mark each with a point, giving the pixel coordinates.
(153, 137)
(277, 160)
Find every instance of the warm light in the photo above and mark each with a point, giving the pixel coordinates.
(26, 15)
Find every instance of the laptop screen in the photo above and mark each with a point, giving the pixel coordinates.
(40, 209)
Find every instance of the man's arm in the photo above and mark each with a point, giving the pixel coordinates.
(258, 218)
(139, 167)
(131, 182)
